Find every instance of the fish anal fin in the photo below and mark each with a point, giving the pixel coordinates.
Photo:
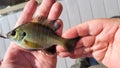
(51, 50)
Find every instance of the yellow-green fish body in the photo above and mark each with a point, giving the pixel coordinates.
(40, 35)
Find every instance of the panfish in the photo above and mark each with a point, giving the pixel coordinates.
(40, 34)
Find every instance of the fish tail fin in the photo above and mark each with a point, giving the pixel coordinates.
(70, 44)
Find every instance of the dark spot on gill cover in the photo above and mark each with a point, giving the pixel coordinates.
(24, 34)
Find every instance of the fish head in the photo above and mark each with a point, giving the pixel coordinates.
(16, 35)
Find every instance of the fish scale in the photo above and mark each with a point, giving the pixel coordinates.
(40, 35)
(46, 34)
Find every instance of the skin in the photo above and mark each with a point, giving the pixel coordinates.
(17, 57)
(100, 39)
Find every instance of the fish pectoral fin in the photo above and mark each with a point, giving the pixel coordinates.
(31, 45)
(51, 50)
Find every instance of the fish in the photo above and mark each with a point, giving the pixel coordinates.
(40, 34)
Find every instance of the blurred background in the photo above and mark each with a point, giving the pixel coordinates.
(6, 3)
(74, 13)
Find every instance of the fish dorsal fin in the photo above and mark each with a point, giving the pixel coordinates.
(39, 19)
(44, 21)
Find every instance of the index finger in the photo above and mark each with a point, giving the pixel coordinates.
(44, 8)
(27, 13)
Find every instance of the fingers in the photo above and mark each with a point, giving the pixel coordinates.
(55, 11)
(80, 30)
(87, 28)
(13, 49)
(88, 32)
(78, 52)
(71, 33)
(44, 8)
(27, 13)
(49, 9)
(54, 14)
(59, 31)
(82, 52)
(86, 41)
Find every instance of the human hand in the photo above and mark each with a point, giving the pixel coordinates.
(100, 38)
(15, 56)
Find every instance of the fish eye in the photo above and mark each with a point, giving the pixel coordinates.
(13, 33)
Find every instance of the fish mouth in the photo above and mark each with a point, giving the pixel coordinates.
(8, 35)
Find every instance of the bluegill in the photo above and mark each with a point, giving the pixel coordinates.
(40, 34)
